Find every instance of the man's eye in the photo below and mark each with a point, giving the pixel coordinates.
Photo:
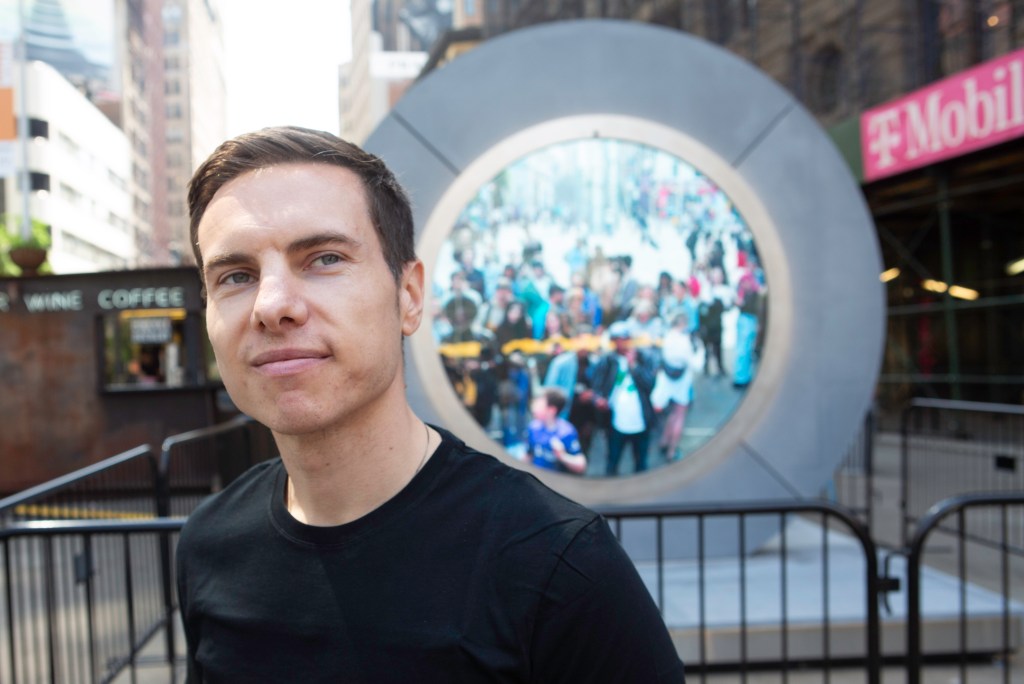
(237, 278)
(328, 259)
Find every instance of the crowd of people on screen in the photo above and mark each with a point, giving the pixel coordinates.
(546, 364)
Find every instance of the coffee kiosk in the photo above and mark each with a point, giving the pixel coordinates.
(93, 364)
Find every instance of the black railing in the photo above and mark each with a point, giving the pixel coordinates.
(81, 599)
(195, 464)
(950, 448)
(85, 597)
(134, 485)
(137, 485)
(949, 523)
(120, 487)
(798, 559)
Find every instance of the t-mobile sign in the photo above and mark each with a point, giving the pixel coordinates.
(976, 108)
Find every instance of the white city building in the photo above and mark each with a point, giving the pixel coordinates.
(81, 170)
(373, 82)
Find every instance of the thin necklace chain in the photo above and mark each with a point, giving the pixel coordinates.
(426, 450)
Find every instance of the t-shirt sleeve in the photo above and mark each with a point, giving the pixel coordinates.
(598, 622)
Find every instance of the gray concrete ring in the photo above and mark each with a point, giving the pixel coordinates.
(523, 90)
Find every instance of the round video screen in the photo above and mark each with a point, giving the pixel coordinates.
(599, 308)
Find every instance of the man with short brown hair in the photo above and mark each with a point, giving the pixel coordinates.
(377, 548)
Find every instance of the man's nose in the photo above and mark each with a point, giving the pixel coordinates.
(279, 303)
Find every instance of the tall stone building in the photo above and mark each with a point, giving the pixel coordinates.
(195, 108)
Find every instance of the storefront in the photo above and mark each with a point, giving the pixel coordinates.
(943, 174)
(93, 364)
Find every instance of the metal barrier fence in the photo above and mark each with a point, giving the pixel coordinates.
(782, 608)
(137, 485)
(70, 587)
(852, 485)
(950, 448)
(195, 464)
(47, 578)
(1000, 566)
(120, 487)
(80, 599)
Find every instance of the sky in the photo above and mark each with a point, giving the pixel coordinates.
(281, 62)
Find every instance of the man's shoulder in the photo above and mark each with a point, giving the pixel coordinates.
(512, 502)
(247, 490)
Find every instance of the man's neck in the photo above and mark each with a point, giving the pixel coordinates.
(339, 475)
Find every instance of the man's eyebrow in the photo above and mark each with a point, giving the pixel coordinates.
(226, 261)
(321, 239)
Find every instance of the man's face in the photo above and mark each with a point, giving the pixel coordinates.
(303, 313)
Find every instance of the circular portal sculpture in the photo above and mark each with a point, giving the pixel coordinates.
(653, 116)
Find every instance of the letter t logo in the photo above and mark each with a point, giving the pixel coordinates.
(883, 136)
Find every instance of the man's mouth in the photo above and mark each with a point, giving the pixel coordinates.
(288, 361)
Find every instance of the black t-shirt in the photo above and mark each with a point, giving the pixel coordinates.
(474, 572)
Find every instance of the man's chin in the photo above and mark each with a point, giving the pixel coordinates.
(295, 419)
(287, 425)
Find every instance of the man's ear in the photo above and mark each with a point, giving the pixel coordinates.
(410, 297)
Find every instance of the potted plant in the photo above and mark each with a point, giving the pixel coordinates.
(29, 253)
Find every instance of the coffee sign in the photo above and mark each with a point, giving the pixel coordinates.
(975, 109)
(42, 299)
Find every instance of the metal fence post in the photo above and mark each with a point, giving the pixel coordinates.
(904, 471)
(869, 468)
(930, 522)
(163, 481)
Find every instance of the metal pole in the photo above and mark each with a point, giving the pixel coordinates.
(946, 236)
(904, 472)
(26, 221)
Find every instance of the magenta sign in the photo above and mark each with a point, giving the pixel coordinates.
(972, 110)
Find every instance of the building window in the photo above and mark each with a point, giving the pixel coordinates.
(145, 347)
(40, 181)
(721, 19)
(37, 128)
(469, 8)
(823, 79)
